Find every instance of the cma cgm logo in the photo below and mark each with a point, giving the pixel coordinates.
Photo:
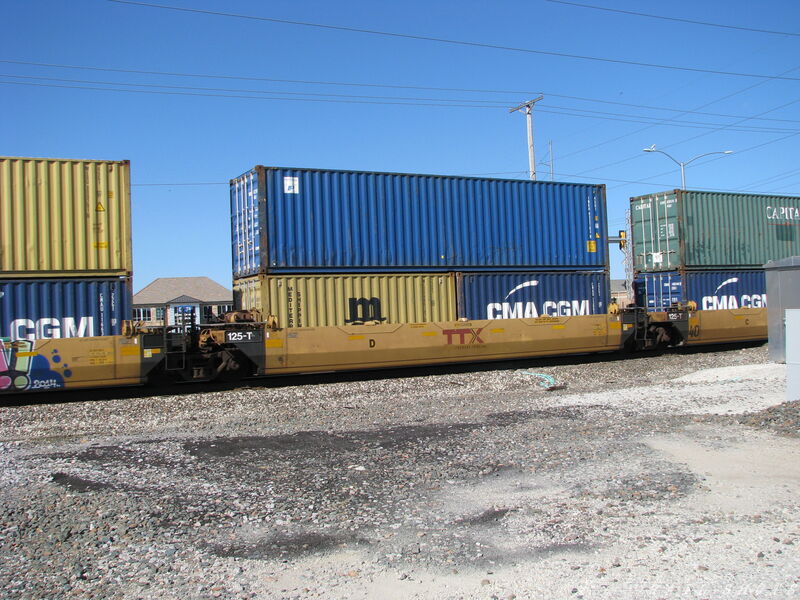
(50, 328)
(530, 310)
(726, 302)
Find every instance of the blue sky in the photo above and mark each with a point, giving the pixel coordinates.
(275, 93)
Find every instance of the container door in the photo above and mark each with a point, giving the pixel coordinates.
(245, 225)
(656, 232)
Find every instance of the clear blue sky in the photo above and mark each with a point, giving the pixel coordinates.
(187, 136)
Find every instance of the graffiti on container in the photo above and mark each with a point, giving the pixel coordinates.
(532, 310)
(22, 368)
(730, 301)
(361, 310)
(465, 336)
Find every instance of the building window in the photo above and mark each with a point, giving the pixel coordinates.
(223, 308)
(141, 314)
(208, 313)
(159, 314)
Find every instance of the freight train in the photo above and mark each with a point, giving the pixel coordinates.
(477, 270)
(250, 347)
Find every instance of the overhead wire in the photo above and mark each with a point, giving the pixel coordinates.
(381, 85)
(772, 179)
(391, 100)
(640, 130)
(442, 40)
(447, 41)
(677, 19)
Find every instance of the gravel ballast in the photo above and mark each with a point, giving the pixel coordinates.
(672, 476)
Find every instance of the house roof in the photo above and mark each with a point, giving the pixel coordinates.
(169, 289)
(619, 286)
(184, 300)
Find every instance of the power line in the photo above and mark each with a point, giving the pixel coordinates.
(678, 19)
(496, 103)
(388, 100)
(444, 103)
(449, 41)
(737, 152)
(773, 179)
(383, 85)
(638, 155)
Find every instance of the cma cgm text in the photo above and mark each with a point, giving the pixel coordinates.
(529, 310)
(51, 328)
(729, 302)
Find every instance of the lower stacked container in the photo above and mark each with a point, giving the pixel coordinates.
(337, 300)
(709, 290)
(33, 309)
(330, 300)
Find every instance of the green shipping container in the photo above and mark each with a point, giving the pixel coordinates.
(684, 229)
(64, 218)
(336, 300)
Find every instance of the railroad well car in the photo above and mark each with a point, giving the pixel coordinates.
(259, 349)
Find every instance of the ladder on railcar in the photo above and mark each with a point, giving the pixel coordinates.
(177, 342)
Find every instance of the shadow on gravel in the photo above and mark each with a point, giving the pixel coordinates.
(77, 484)
(320, 441)
(287, 546)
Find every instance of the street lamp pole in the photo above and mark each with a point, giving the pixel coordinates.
(683, 164)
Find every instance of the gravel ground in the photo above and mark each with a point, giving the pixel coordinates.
(673, 476)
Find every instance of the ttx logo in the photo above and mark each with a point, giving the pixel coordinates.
(463, 336)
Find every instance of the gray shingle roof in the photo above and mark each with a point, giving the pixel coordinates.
(619, 286)
(166, 289)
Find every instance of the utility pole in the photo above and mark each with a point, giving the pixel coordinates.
(528, 107)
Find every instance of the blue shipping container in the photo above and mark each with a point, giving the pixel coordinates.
(710, 290)
(60, 308)
(287, 220)
(533, 294)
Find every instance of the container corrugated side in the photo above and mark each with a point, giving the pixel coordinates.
(61, 308)
(532, 294)
(710, 290)
(739, 230)
(288, 220)
(335, 300)
(713, 230)
(64, 218)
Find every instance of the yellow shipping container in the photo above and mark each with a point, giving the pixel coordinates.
(334, 300)
(64, 218)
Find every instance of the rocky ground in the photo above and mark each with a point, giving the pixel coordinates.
(674, 476)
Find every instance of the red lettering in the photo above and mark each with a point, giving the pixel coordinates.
(475, 336)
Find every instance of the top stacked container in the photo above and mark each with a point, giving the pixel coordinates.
(691, 230)
(64, 218)
(289, 220)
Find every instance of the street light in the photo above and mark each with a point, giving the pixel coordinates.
(682, 165)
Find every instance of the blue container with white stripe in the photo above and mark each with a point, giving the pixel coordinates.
(33, 309)
(710, 290)
(532, 294)
(288, 220)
